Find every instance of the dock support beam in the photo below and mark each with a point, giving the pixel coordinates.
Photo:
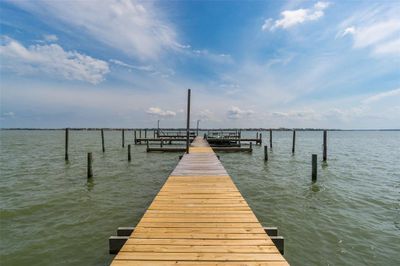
(89, 165)
(294, 141)
(129, 152)
(325, 153)
(188, 121)
(102, 140)
(314, 168)
(66, 143)
(270, 138)
(123, 138)
(265, 153)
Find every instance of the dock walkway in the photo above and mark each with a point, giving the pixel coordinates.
(199, 217)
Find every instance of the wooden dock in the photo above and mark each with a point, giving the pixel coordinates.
(199, 217)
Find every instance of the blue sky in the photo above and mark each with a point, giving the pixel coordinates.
(331, 64)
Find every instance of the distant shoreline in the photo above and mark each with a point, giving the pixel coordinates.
(200, 129)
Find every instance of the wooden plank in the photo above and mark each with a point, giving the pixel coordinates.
(209, 230)
(200, 249)
(199, 242)
(202, 263)
(199, 256)
(157, 223)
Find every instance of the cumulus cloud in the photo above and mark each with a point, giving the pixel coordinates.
(236, 113)
(51, 59)
(290, 18)
(134, 27)
(156, 111)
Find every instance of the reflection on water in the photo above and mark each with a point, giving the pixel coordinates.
(51, 214)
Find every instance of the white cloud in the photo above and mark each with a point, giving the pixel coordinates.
(382, 95)
(290, 18)
(136, 28)
(390, 47)
(156, 111)
(50, 37)
(236, 113)
(206, 114)
(348, 31)
(51, 59)
(377, 29)
(122, 64)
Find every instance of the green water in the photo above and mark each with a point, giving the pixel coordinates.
(51, 215)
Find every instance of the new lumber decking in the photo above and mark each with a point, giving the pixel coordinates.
(199, 217)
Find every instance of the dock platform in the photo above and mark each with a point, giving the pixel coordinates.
(199, 217)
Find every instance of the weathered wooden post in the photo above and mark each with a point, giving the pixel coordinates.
(270, 138)
(140, 133)
(66, 143)
(314, 168)
(260, 139)
(89, 165)
(251, 146)
(129, 152)
(265, 153)
(147, 146)
(102, 140)
(145, 133)
(135, 136)
(188, 122)
(294, 141)
(123, 138)
(257, 135)
(325, 152)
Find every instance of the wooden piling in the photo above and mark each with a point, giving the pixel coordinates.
(140, 133)
(294, 141)
(89, 165)
(102, 140)
(325, 152)
(188, 121)
(66, 143)
(314, 168)
(145, 133)
(270, 138)
(265, 153)
(260, 138)
(257, 135)
(134, 136)
(129, 152)
(123, 138)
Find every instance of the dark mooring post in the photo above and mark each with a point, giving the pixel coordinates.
(270, 138)
(66, 144)
(123, 138)
(188, 122)
(89, 165)
(102, 140)
(145, 133)
(129, 152)
(260, 138)
(257, 135)
(265, 153)
(325, 152)
(134, 136)
(314, 168)
(294, 141)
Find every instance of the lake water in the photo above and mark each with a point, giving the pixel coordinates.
(51, 214)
